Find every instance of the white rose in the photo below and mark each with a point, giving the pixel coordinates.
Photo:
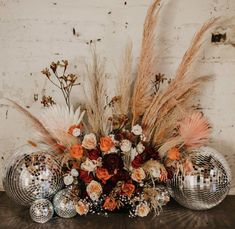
(140, 147)
(138, 175)
(94, 190)
(142, 209)
(89, 141)
(137, 130)
(88, 165)
(134, 153)
(76, 132)
(68, 180)
(126, 145)
(74, 173)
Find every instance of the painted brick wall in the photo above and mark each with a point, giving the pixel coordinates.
(33, 33)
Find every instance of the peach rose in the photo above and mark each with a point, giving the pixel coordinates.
(128, 189)
(89, 141)
(103, 174)
(173, 154)
(94, 190)
(76, 151)
(138, 175)
(82, 208)
(110, 204)
(106, 143)
(142, 210)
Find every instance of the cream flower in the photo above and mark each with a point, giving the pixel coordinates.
(138, 175)
(74, 173)
(125, 145)
(137, 130)
(76, 132)
(89, 165)
(82, 208)
(153, 168)
(140, 147)
(142, 209)
(133, 153)
(94, 190)
(68, 180)
(89, 141)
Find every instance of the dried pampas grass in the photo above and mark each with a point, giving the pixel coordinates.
(142, 95)
(178, 92)
(95, 93)
(124, 83)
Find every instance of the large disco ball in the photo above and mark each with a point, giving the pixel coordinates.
(41, 211)
(31, 174)
(64, 204)
(207, 185)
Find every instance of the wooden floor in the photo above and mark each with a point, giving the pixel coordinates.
(173, 216)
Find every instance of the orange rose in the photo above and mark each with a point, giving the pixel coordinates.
(110, 204)
(174, 154)
(76, 151)
(106, 144)
(128, 189)
(103, 174)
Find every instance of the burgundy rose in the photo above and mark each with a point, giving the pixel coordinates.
(94, 154)
(85, 176)
(121, 175)
(138, 161)
(112, 162)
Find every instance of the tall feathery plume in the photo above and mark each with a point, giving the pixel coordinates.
(45, 136)
(124, 82)
(95, 93)
(179, 90)
(142, 95)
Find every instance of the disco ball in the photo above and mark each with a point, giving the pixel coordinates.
(63, 204)
(207, 185)
(32, 174)
(41, 211)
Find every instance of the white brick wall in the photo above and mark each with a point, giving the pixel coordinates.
(33, 33)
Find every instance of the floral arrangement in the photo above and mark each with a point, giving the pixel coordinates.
(116, 150)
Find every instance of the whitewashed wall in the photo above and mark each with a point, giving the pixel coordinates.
(33, 33)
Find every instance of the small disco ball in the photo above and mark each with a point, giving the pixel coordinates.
(163, 196)
(63, 204)
(32, 174)
(41, 211)
(207, 185)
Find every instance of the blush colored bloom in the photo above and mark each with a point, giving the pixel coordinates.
(89, 141)
(174, 154)
(142, 209)
(106, 144)
(82, 208)
(125, 145)
(76, 151)
(88, 165)
(137, 130)
(138, 175)
(103, 174)
(110, 204)
(128, 189)
(94, 190)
